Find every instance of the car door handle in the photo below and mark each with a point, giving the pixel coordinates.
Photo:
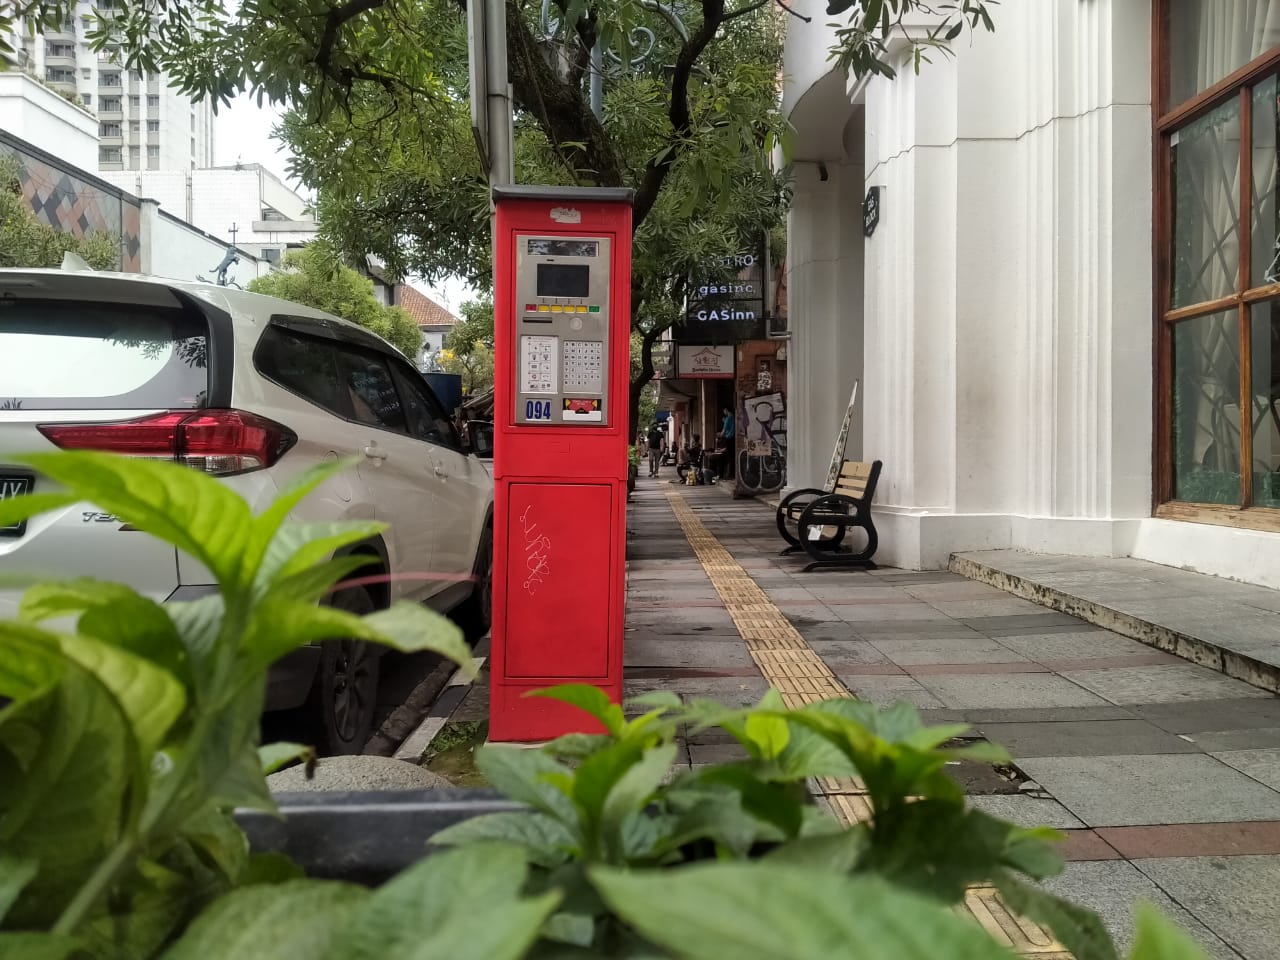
(373, 453)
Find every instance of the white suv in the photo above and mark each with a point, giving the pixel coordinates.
(254, 390)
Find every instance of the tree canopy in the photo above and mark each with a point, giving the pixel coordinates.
(314, 276)
(380, 128)
(26, 242)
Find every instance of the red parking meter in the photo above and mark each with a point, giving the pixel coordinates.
(562, 335)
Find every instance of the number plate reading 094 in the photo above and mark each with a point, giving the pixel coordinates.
(537, 409)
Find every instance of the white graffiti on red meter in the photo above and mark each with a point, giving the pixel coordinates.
(537, 553)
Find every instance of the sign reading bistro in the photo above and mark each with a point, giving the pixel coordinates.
(706, 361)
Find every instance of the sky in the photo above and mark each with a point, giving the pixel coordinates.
(242, 133)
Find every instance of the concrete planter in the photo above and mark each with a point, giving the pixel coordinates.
(363, 837)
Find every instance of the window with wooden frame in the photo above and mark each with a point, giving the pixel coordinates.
(1216, 92)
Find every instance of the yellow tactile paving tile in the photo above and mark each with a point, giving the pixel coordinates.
(791, 666)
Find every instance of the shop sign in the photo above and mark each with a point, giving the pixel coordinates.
(706, 362)
(871, 211)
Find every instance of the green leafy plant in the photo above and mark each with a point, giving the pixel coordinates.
(128, 734)
(131, 728)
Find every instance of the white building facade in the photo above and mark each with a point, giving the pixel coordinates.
(245, 203)
(1061, 341)
(142, 123)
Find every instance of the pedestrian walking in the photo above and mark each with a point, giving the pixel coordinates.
(656, 442)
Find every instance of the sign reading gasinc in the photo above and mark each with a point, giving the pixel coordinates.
(706, 361)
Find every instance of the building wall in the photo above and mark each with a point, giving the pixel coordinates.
(178, 251)
(1008, 296)
(39, 115)
(182, 137)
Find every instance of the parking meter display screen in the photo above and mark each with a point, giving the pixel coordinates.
(564, 280)
(547, 247)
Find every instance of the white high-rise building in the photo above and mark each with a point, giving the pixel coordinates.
(143, 123)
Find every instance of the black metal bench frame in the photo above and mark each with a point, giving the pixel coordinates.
(815, 509)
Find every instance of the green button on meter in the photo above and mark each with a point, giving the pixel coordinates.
(593, 309)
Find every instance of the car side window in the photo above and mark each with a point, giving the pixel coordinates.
(306, 366)
(367, 380)
(427, 419)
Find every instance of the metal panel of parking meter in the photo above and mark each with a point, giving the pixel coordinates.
(562, 332)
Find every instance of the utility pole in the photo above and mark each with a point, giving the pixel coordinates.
(490, 89)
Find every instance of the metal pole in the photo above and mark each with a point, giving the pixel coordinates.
(498, 93)
(597, 80)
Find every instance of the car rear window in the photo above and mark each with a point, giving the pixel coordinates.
(57, 355)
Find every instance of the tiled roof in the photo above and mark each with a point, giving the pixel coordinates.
(425, 311)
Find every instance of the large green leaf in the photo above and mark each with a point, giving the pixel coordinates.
(198, 623)
(546, 841)
(65, 811)
(269, 522)
(296, 547)
(151, 697)
(314, 583)
(1159, 938)
(281, 625)
(589, 699)
(1079, 930)
(295, 920)
(116, 615)
(27, 669)
(196, 513)
(464, 904)
(16, 509)
(528, 776)
(15, 874)
(759, 911)
(37, 946)
(630, 794)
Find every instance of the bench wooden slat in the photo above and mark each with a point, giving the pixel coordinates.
(855, 468)
(851, 488)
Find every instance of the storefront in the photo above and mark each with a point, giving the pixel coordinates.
(1063, 313)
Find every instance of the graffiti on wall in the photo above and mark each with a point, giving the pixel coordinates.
(762, 464)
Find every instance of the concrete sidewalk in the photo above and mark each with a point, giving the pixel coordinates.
(1164, 773)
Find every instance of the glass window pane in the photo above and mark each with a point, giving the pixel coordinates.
(1210, 39)
(1206, 172)
(1265, 365)
(1206, 409)
(1266, 212)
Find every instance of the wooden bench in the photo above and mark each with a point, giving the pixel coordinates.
(816, 521)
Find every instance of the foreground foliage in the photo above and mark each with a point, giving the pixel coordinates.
(127, 739)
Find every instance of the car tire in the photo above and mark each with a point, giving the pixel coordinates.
(347, 683)
(475, 616)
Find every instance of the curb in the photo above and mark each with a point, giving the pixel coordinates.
(1206, 653)
(449, 697)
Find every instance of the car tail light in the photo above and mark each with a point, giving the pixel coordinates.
(217, 442)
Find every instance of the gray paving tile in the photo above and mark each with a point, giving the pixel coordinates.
(1133, 790)
(1263, 765)
(1070, 625)
(1257, 738)
(889, 690)
(1221, 715)
(970, 691)
(1112, 888)
(1027, 811)
(941, 629)
(1074, 645)
(836, 653)
(879, 613)
(1006, 606)
(981, 715)
(1022, 623)
(704, 654)
(1085, 738)
(731, 691)
(1167, 683)
(819, 632)
(915, 650)
(1234, 896)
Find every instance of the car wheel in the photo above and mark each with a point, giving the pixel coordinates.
(348, 683)
(476, 614)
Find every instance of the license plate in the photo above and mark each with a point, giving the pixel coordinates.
(14, 487)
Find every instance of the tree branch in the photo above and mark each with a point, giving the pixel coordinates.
(793, 12)
(749, 8)
(681, 125)
(333, 22)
